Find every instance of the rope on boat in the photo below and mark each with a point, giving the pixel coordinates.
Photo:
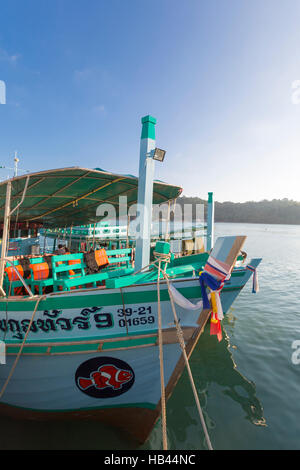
(161, 362)
(21, 348)
(182, 345)
(166, 258)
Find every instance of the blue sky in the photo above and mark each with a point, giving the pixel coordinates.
(217, 74)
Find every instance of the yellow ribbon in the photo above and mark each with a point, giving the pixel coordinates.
(214, 307)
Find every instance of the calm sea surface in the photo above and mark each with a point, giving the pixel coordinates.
(248, 386)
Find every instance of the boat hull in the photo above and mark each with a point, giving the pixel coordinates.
(93, 354)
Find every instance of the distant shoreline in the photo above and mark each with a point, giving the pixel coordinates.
(254, 223)
(275, 212)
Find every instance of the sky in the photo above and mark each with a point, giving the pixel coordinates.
(222, 78)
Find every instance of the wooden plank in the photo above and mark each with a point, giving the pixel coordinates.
(235, 250)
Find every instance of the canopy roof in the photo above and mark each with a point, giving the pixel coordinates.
(70, 196)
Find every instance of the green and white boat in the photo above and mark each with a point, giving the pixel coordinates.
(104, 345)
(86, 237)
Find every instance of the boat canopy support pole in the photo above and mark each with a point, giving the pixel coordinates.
(7, 215)
(23, 197)
(210, 222)
(145, 192)
(5, 233)
(94, 229)
(70, 238)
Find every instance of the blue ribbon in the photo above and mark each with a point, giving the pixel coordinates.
(206, 279)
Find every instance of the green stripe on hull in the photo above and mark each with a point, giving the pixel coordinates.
(27, 350)
(100, 299)
(130, 343)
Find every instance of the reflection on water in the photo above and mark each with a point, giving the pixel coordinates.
(87, 435)
(215, 375)
(212, 365)
(218, 366)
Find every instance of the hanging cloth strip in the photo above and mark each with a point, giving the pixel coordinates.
(217, 269)
(183, 302)
(255, 286)
(216, 286)
(215, 324)
(204, 303)
(217, 315)
(214, 276)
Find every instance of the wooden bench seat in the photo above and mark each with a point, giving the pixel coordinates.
(81, 281)
(70, 276)
(121, 257)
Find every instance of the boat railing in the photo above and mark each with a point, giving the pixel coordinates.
(19, 276)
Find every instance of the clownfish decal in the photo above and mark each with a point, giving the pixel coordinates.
(106, 376)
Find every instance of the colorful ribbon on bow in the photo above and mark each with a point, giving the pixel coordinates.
(255, 286)
(216, 286)
(208, 280)
(215, 323)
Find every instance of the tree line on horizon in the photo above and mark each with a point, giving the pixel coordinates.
(276, 211)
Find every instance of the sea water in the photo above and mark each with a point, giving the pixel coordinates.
(248, 384)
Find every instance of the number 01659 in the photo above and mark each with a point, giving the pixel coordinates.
(128, 318)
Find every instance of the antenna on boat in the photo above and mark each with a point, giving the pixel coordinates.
(15, 169)
(16, 161)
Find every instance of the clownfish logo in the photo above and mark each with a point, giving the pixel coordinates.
(104, 377)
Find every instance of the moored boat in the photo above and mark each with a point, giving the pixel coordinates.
(102, 342)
